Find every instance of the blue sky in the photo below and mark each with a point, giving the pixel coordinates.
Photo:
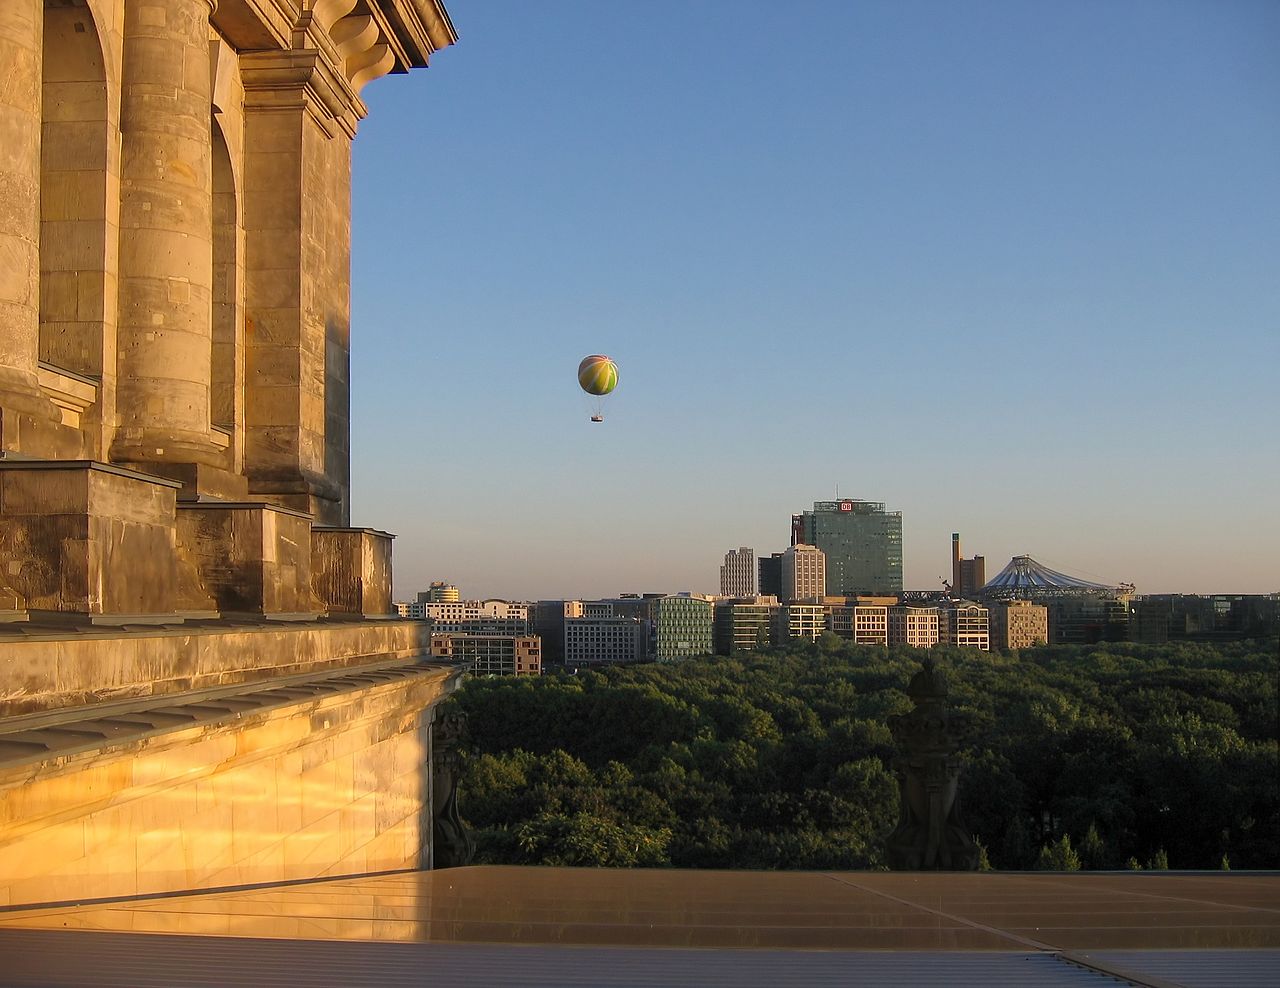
(1011, 268)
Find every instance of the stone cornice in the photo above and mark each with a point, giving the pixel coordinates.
(420, 27)
(335, 48)
(302, 79)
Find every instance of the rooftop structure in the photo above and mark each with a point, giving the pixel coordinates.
(1024, 576)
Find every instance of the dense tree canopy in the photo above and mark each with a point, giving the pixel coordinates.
(1076, 756)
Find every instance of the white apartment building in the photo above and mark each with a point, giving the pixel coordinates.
(966, 625)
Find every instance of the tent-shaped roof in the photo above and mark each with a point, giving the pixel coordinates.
(1025, 574)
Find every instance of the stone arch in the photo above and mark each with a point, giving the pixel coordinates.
(226, 402)
(74, 151)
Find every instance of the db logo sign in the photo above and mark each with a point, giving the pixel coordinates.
(846, 505)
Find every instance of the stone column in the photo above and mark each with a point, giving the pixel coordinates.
(21, 28)
(166, 237)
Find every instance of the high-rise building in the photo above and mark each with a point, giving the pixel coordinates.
(910, 624)
(1018, 624)
(968, 576)
(862, 542)
(804, 573)
(738, 574)
(770, 572)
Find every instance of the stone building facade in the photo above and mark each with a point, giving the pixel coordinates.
(175, 257)
(199, 684)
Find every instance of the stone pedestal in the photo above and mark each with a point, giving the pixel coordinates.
(351, 570)
(82, 537)
(252, 558)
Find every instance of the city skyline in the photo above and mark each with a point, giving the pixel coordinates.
(804, 251)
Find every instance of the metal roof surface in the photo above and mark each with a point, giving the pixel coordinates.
(577, 926)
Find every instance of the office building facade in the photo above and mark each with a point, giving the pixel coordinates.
(546, 620)
(681, 627)
(604, 641)
(769, 569)
(480, 617)
(800, 620)
(861, 620)
(913, 625)
(862, 543)
(744, 624)
(1018, 624)
(491, 655)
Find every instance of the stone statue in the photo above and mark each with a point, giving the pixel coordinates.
(452, 843)
(930, 835)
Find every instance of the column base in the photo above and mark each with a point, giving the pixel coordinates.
(318, 496)
(150, 450)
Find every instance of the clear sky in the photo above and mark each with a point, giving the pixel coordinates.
(1012, 268)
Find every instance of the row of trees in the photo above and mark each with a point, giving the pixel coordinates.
(1120, 754)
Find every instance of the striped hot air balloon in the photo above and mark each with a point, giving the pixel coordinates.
(598, 376)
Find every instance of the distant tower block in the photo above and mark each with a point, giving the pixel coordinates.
(862, 542)
(738, 574)
(440, 593)
(968, 576)
(804, 573)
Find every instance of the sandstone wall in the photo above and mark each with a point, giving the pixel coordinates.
(324, 787)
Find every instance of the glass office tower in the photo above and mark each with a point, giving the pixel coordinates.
(862, 541)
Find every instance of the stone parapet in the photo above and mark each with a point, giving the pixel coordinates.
(252, 558)
(82, 537)
(351, 570)
(51, 667)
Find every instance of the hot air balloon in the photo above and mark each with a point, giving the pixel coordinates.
(598, 376)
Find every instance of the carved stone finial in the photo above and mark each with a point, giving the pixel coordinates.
(930, 834)
(452, 843)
